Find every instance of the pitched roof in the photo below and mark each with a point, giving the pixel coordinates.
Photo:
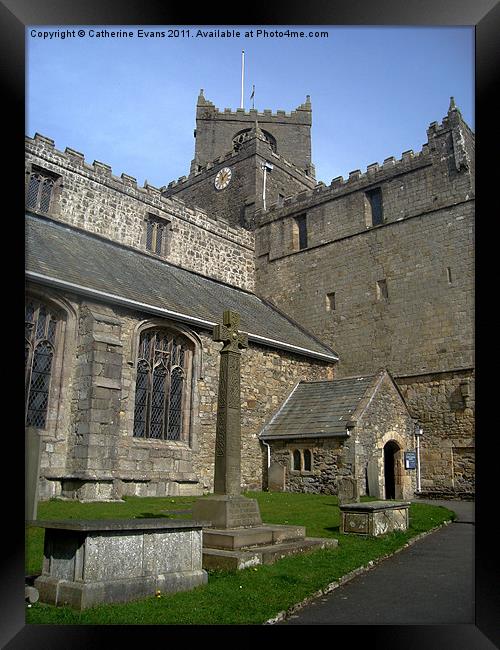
(68, 258)
(319, 408)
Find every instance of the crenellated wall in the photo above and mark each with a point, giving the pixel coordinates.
(238, 201)
(91, 197)
(398, 295)
(216, 129)
(423, 251)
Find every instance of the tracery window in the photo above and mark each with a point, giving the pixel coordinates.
(242, 136)
(156, 235)
(40, 190)
(163, 370)
(40, 336)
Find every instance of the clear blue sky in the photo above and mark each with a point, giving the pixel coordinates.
(130, 102)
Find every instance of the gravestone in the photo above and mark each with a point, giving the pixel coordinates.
(276, 478)
(373, 480)
(348, 490)
(32, 445)
(227, 508)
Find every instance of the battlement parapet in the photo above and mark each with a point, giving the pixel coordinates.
(102, 173)
(449, 121)
(375, 173)
(76, 155)
(207, 110)
(102, 170)
(267, 113)
(42, 138)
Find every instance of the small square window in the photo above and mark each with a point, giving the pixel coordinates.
(382, 292)
(330, 301)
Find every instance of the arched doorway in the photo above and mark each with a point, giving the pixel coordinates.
(392, 487)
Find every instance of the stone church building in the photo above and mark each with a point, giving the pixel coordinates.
(356, 297)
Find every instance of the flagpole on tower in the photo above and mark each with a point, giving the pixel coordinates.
(242, 74)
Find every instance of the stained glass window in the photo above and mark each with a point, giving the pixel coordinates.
(160, 385)
(40, 334)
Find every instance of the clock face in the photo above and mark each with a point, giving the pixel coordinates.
(223, 177)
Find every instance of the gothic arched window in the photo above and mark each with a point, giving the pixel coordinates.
(161, 385)
(40, 334)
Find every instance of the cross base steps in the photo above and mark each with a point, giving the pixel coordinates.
(230, 560)
(237, 538)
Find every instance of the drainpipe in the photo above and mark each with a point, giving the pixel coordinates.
(418, 433)
(268, 453)
(268, 460)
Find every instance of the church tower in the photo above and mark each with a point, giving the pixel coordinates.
(288, 134)
(246, 160)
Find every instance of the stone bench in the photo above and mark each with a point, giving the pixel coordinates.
(374, 518)
(88, 563)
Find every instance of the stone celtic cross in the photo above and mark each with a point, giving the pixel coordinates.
(227, 478)
(228, 334)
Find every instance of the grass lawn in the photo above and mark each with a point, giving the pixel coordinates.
(250, 596)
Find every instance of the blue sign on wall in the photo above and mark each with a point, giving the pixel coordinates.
(410, 460)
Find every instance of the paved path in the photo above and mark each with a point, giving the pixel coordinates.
(428, 583)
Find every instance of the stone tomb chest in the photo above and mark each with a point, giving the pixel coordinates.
(374, 518)
(87, 563)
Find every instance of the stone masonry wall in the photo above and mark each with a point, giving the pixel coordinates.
(326, 468)
(444, 405)
(97, 455)
(239, 200)
(423, 251)
(267, 378)
(398, 295)
(385, 419)
(92, 198)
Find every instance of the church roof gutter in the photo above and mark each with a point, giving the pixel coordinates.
(167, 313)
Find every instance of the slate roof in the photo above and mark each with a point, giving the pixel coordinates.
(68, 258)
(319, 408)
